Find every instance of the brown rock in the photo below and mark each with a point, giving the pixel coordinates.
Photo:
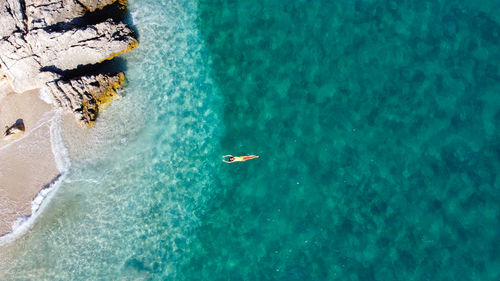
(15, 130)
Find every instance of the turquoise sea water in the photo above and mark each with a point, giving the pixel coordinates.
(378, 129)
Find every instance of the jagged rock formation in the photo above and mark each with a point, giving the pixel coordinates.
(41, 14)
(41, 41)
(86, 95)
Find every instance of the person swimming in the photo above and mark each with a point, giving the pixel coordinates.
(243, 158)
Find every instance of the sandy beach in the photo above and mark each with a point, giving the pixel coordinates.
(27, 163)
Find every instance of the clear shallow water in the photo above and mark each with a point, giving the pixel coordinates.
(139, 180)
(378, 129)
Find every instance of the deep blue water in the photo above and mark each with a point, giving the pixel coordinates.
(378, 123)
(378, 129)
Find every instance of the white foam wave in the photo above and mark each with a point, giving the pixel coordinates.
(45, 96)
(22, 225)
(60, 152)
(134, 16)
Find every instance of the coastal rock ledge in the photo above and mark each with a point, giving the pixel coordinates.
(53, 44)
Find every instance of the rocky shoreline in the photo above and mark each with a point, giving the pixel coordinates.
(51, 51)
(47, 44)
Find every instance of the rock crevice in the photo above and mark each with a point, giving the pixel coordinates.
(34, 54)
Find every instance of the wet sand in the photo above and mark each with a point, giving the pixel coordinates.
(27, 163)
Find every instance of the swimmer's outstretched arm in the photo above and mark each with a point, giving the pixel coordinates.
(224, 160)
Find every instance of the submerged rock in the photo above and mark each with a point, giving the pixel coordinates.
(43, 43)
